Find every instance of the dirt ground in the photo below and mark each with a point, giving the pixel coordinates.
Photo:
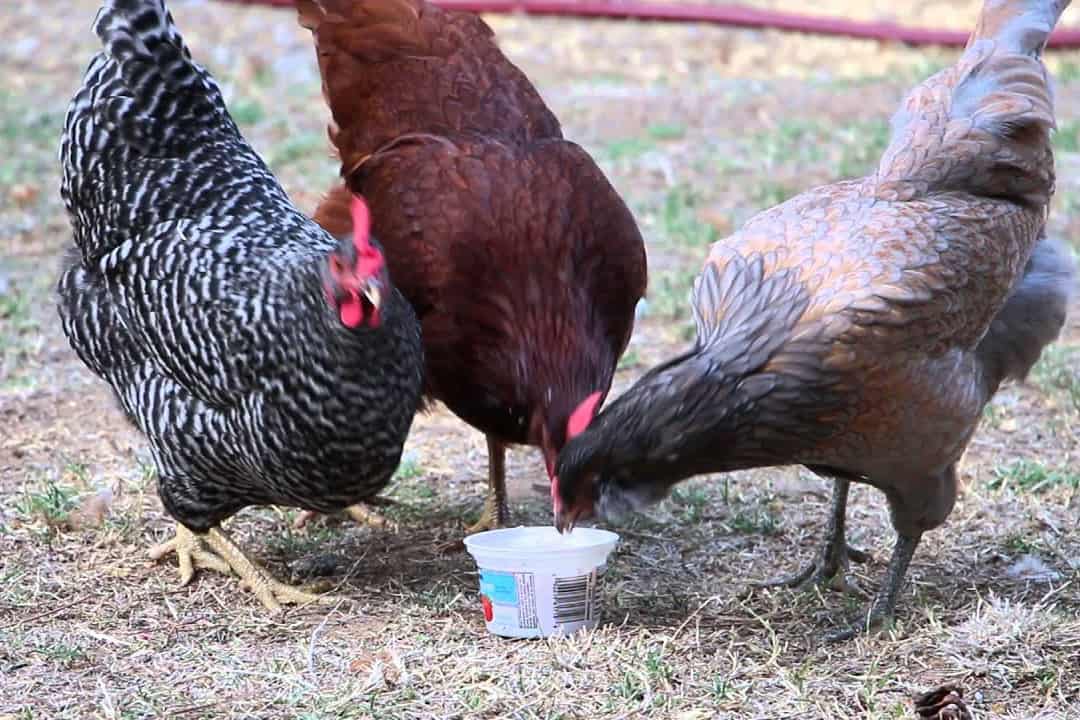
(698, 128)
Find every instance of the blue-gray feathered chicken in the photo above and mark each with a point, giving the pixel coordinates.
(265, 361)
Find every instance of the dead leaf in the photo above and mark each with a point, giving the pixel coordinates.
(92, 511)
(381, 668)
(943, 703)
(24, 193)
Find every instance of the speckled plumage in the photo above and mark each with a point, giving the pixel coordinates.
(860, 327)
(196, 292)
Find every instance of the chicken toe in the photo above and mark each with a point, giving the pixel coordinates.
(830, 569)
(495, 515)
(190, 554)
(496, 512)
(216, 551)
(362, 512)
(883, 608)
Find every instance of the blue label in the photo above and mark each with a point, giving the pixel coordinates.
(499, 587)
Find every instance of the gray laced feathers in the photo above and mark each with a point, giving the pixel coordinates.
(206, 300)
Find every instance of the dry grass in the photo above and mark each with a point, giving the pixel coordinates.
(698, 127)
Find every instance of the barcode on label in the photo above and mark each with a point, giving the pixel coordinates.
(575, 598)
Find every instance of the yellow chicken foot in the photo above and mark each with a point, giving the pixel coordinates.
(495, 515)
(829, 570)
(215, 550)
(496, 512)
(362, 512)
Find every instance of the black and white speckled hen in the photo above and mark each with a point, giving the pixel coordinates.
(265, 361)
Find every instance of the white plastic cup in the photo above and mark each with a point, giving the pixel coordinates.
(535, 582)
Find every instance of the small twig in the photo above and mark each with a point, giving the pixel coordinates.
(40, 615)
(191, 709)
(686, 622)
(315, 637)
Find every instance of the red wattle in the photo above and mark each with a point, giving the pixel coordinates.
(351, 311)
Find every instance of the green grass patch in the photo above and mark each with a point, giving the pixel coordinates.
(31, 136)
(295, 148)
(48, 501)
(1067, 136)
(692, 501)
(629, 360)
(409, 469)
(1058, 373)
(247, 112)
(1030, 476)
(666, 131)
(19, 331)
(853, 149)
(679, 219)
(755, 521)
(628, 148)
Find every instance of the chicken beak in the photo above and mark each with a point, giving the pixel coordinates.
(566, 519)
(563, 522)
(372, 290)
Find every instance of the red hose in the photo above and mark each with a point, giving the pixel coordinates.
(732, 15)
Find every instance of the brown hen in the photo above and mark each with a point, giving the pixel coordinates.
(860, 328)
(521, 260)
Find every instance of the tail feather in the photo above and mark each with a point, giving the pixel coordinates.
(166, 99)
(1031, 318)
(1020, 27)
(147, 138)
(982, 126)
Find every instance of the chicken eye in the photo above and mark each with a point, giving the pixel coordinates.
(337, 265)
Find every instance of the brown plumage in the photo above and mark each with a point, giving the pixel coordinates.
(521, 260)
(861, 327)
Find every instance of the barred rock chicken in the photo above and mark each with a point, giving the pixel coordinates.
(265, 361)
(521, 260)
(860, 328)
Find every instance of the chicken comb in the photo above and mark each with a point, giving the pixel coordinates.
(582, 416)
(368, 258)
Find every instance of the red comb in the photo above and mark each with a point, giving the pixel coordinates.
(369, 259)
(361, 222)
(582, 416)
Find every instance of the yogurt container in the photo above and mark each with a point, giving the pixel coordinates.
(535, 582)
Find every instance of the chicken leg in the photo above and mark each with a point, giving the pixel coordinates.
(215, 550)
(830, 569)
(496, 513)
(362, 512)
(884, 606)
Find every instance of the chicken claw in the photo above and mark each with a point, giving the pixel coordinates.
(362, 512)
(829, 570)
(496, 514)
(883, 609)
(216, 551)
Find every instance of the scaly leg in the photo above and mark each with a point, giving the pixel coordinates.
(362, 512)
(830, 569)
(884, 606)
(496, 512)
(215, 550)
